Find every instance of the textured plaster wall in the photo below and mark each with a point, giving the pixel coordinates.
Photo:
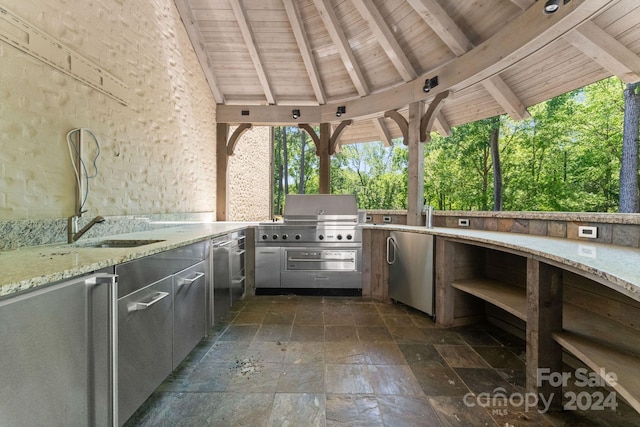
(158, 153)
(250, 176)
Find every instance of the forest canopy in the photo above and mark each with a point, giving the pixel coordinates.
(565, 157)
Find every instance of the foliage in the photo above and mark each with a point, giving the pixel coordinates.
(565, 157)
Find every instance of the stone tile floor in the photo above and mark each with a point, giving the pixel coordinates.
(345, 361)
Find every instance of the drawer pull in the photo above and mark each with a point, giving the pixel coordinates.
(135, 306)
(238, 280)
(186, 281)
(240, 252)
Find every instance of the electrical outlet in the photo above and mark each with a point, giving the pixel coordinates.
(589, 232)
(463, 222)
(386, 218)
(369, 218)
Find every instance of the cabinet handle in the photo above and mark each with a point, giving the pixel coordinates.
(240, 252)
(223, 244)
(186, 281)
(135, 306)
(238, 280)
(390, 242)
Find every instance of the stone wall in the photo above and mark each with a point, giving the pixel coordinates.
(157, 152)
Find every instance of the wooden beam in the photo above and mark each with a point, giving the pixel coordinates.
(325, 159)
(235, 136)
(514, 42)
(325, 8)
(335, 136)
(305, 50)
(314, 136)
(383, 131)
(426, 122)
(222, 131)
(508, 100)
(385, 37)
(441, 125)
(198, 46)
(442, 24)
(603, 48)
(524, 4)
(254, 53)
(401, 122)
(415, 168)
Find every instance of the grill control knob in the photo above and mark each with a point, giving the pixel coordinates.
(298, 237)
(264, 237)
(284, 237)
(339, 236)
(349, 237)
(321, 237)
(275, 237)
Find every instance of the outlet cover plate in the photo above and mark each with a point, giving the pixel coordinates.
(589, 232)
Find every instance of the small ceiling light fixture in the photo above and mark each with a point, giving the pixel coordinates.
(430, 84)
(341, 110)
(295, 114)
(552, 6)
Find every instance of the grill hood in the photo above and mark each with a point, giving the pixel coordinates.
(324, 208)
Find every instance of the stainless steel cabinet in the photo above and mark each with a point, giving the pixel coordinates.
(236, 261)
(145, 347)
(188, 310)
(410, 259)
(228, 282)
(268, 266)
(57, 354)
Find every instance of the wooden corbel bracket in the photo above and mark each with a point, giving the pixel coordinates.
(401, 122)
(426, 123)
(231, 144)
(335, 137)
(312, 133)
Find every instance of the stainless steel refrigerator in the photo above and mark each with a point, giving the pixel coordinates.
(58, 354)
(410, 259)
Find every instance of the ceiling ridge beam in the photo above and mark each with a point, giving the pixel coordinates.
(305, 50)
(198, 46)
(342, 44)
(386, 39)
(254, 53)
(603, 48)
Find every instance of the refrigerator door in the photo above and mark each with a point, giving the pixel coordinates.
(57, 355)
(410, 259)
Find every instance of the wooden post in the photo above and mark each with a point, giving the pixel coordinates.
(415, 187)
(222, 133)
(325, 158)
(544, 316)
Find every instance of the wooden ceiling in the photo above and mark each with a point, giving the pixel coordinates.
(265, 58)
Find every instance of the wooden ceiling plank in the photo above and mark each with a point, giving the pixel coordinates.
(342, 44)
(249, 39)
(524, 4)
(440, 22)
(383, 131)
(385, 37)
(305, 50)
(508, 100)
(198, 46)
(612, 55)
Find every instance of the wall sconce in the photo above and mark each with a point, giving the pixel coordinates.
(430, 84)
(295, 114)
(552, 6)
(341, 110)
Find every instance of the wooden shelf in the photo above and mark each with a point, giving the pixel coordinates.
(603, 344)
(512, 299)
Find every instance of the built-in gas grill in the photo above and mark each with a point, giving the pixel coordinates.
(317, 246)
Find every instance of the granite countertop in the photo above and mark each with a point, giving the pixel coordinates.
(617, 267)
(30, 267)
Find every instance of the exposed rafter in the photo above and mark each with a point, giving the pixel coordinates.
(196, 40)
(385, 37)
(441, 125)
(383, 131)
(603, 48)
(524, 4)
(305, 50)
(436, 17)
(254, 53)
(342, 44)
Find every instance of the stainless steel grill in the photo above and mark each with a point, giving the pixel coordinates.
(318, 245)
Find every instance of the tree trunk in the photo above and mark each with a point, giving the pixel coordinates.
(285, 155)
(497, 168)
(629, 162)
(303, 137)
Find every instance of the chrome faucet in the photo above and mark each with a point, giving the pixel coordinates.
(72, 228)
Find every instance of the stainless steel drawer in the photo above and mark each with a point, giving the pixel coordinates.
(188, 310)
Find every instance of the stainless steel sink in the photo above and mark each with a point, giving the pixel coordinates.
(117, 243)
